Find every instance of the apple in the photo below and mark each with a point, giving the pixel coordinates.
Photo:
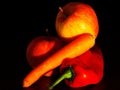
(76, 18)
(40, 48)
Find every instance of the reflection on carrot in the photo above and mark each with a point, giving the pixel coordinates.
(75, 48)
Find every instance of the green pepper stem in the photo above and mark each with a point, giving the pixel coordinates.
(67, 75)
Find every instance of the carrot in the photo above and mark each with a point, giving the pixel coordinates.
(75, 48)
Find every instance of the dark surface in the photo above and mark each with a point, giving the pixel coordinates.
(23, 21)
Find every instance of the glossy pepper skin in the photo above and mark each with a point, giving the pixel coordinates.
(86, 69)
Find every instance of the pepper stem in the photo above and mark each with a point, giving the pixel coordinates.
(67, 75)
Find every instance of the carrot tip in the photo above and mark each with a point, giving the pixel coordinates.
(26, 84)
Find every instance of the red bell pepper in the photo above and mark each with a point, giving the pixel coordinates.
(83, 70)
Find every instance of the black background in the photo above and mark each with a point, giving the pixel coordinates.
(22, 21)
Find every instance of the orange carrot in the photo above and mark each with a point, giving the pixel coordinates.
(75, 48)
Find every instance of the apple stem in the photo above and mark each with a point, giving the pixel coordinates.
(47, 32)
(61, 9)
(67, 75)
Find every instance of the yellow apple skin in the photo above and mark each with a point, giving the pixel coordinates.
(76, 18)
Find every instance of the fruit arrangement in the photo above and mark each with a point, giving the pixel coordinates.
(74, 51)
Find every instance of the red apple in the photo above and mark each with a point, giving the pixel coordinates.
(40, 48)
(76, 18)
